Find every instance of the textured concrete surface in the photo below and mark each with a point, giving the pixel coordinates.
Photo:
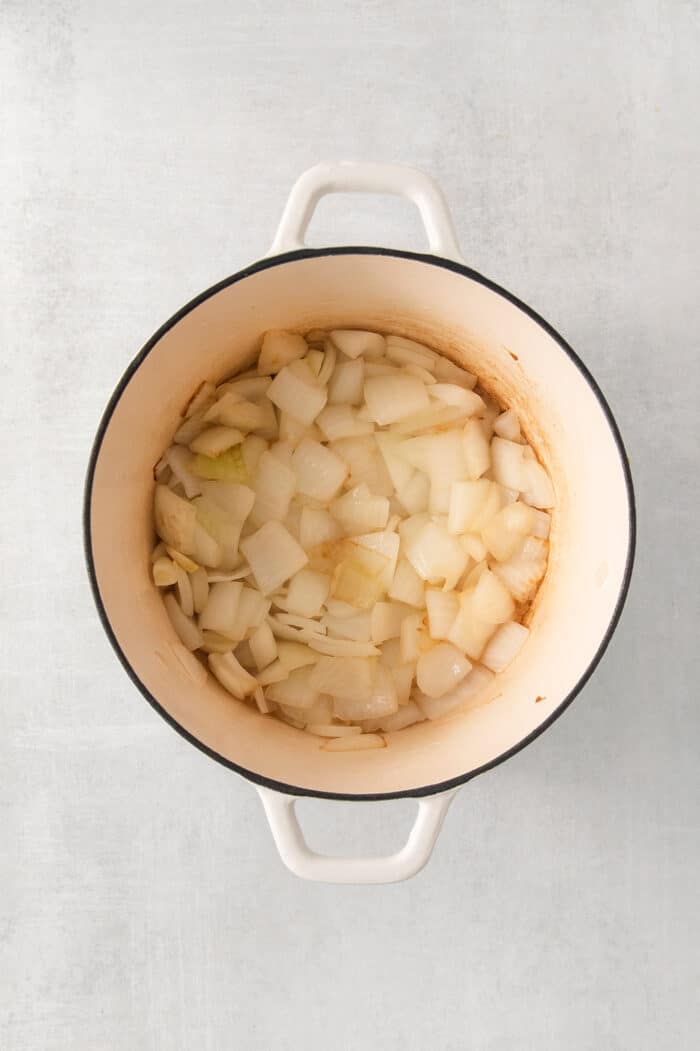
(147, 152)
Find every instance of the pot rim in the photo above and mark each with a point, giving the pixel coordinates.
(431, 260)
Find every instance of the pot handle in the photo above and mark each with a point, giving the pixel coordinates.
(358, 177)
(305, 863)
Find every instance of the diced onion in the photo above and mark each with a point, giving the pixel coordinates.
(505, 646)
(351, 526)
(273, 555)
(441, 669)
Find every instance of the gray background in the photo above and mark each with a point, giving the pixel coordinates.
(147, 152)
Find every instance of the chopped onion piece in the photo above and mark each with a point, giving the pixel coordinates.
(164, 573)
(296, 691)
(407, 586)
(274, 486)
(507, 464)
(349, 677)
(317, 527)
(330, 356)
(468, 633)
(436, 416)
(175, 519)
(179, 462)
(224, 530)
(341, 647)
(200, 589)
(448, 372)
(219, 614)
(400, 471)
(386, 620)
(406, 716)
(469, 693)
(391, 398)
(474, 546)
(420, 373)
(184, 592)
(354, 343)
(187, 631)
(228, 466)
(357, 627)
(320, 473)
(232, 410)
(216, 440)
(407, 352)
(187, 431)
(294, 390)
(523, 571)
(538, 489)
(263, 646)
(415, 494)
(436, 556)
(507, 529)
(507, 426)
(443, 607)
(541, 524)
(346, 386)
(472, 505)
(381, 700)
(505, 646)
(259, 696)
(308, 591)
(250, 388)
(451, 394)
(440, 669)
(341, 421)
(360, 512)
(491, 601)
(477, 453)
(201, 399)
(410, 626)
(279, 348)
(274, 556)
(252, 449)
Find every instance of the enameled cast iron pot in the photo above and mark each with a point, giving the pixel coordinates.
(430, 297)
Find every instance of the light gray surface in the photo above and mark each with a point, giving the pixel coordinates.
(147, 152)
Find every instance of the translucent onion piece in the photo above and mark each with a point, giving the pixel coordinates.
(229, 466)
(294, 392)
(164, 573)
(386, 621)
(507, 464)
(278, 349)
(407, 586)
(216, 440)
(263, 646)
(538, 489)
(274, 485)
(354, 343)
(296, 691)
(448, 372)
(408, 352)
(187, 631)
(341, 421)
(359, 512)
(320, 473)
(507, 529)
(273, 555)
(441, 669)
(380, 701)
(523, 571)
(219, 614)
(477, 453)
(184, 592)
(469, 693)
(406, 716)
(308, 591)
(507, 426)
(175, 519)
(443, 607)
(317, 527)
(391, 398)
(451, 394)
(347, 384)
(436, 556)
(504, 646)
(357, 627)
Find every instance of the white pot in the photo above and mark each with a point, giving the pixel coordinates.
(437, 299)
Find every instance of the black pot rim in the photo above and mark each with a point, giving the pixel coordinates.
(431, 260)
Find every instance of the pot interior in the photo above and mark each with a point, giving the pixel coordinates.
(518, 360)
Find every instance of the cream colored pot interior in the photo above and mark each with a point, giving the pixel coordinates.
(519, 361)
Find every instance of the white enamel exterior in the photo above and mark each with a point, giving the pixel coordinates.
(521, 362)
